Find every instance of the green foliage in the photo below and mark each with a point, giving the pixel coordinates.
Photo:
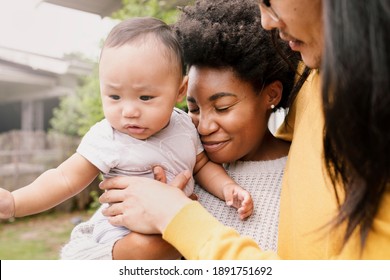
(164, 10)
(65, 117)
(95, 204)
(182, 105)
(77, 113)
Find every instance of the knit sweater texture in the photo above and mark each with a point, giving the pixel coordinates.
(263, 180)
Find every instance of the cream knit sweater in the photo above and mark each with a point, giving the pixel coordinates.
(263, 180)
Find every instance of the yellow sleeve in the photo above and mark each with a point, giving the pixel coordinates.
(199, 236)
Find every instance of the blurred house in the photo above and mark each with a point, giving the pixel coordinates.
(103, 8)
(31, 85)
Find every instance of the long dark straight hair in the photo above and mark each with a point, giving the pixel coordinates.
(356, 98)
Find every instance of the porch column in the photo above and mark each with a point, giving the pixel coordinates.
(32, 115)
(27, 115)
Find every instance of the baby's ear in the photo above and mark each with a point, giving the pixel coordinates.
(183, 89)
(274, 93)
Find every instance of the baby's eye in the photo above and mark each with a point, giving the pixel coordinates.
(115, 97)
(146, 97)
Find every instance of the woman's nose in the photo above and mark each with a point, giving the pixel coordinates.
(267, 21)
(206, 125)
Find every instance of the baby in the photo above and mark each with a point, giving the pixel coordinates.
(141, 79)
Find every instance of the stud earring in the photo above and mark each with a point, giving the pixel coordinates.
(272, 106)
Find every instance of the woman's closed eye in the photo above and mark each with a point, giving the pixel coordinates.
(222, 109)
(193, 109)
(225, 105)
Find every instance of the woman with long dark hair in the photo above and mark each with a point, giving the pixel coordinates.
(356, 97)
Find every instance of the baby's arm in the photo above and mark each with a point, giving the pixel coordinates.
(213, 178)
(6, 204)
(53, 187)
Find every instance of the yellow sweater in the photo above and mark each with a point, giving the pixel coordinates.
(307, 204)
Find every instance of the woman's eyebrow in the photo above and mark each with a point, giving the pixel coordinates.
(221, 94)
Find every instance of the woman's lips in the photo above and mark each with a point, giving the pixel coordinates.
(294, 44)
(212, 146)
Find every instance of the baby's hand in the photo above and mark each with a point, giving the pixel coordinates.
(7, 205)
(240, 199)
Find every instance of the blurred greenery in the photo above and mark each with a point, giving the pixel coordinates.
(77, 113)
(140, 8)
(38, 237)
(95, 204)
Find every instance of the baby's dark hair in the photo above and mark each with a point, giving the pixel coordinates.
(228, 34)
(137, 28)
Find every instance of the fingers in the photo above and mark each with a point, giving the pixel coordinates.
(116, 220)
(233, 199)
(159, 174)
(245, 211)
(112, 196)
(229, 198)
(115, 183)
(247, 197)
(246, 208)
(241, 200)
(114, 214)
(181, 180)
(113, 210)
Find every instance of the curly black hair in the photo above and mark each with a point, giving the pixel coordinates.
(228, 33)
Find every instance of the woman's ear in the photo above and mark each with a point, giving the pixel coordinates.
(183, 89)
(273, 94)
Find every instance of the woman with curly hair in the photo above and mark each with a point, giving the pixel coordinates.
(236, 79)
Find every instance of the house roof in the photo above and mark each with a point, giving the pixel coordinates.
(103, 8)
(23, 74)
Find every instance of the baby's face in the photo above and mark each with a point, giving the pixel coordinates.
(139, 88)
